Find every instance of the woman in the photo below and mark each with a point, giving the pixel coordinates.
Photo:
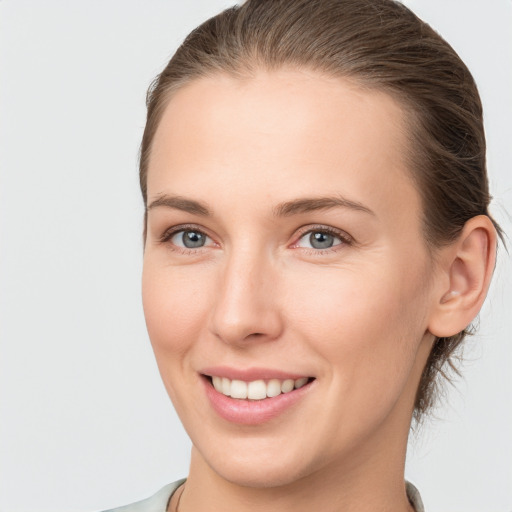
(317, 242)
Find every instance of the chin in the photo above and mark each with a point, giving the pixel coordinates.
(255, 475)
(261, 466)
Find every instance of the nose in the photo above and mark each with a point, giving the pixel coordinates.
(246, 305)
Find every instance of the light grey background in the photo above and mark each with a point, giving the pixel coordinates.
(84, 421)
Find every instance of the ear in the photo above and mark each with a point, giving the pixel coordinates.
(463, 278)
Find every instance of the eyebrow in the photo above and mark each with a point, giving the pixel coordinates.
(306, 205)
(180, 203)
(286, 209)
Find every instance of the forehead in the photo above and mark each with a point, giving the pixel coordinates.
(281, 130)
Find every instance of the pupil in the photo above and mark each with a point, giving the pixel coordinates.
(192, 239)
(321, 240)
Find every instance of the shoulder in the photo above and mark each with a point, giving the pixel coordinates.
(156, 503)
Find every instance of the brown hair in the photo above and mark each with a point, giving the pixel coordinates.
(379, 44)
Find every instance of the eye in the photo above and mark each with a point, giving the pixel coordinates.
(189, 239)
(321, 239)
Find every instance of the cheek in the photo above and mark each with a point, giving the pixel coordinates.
(367, 332)
(173, 307)
(343, 301)
(364, 323)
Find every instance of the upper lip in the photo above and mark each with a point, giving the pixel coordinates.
(250, 374)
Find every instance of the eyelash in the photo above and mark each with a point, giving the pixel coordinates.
(169, 233)
(344, 238)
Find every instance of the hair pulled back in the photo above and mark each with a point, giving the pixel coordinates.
(379, 44)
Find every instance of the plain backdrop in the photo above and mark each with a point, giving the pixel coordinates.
(85, 423)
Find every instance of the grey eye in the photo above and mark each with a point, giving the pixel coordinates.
(189, 239)
(319, 240)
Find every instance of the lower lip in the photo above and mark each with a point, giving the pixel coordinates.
(252, 412)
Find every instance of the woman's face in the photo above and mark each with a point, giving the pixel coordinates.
(284, 245)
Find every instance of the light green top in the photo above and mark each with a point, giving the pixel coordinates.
(159, 501)
(156, 503)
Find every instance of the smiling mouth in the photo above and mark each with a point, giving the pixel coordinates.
(256, 389)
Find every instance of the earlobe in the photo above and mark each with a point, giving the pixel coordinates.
(468, 266)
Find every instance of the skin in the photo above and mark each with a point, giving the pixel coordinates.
(358, 317)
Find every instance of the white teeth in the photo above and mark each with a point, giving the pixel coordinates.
(300, 382)
(217, 383)
(273, 388)
(226, 386)
(287, 385)
(238, 389)
(256, 389)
